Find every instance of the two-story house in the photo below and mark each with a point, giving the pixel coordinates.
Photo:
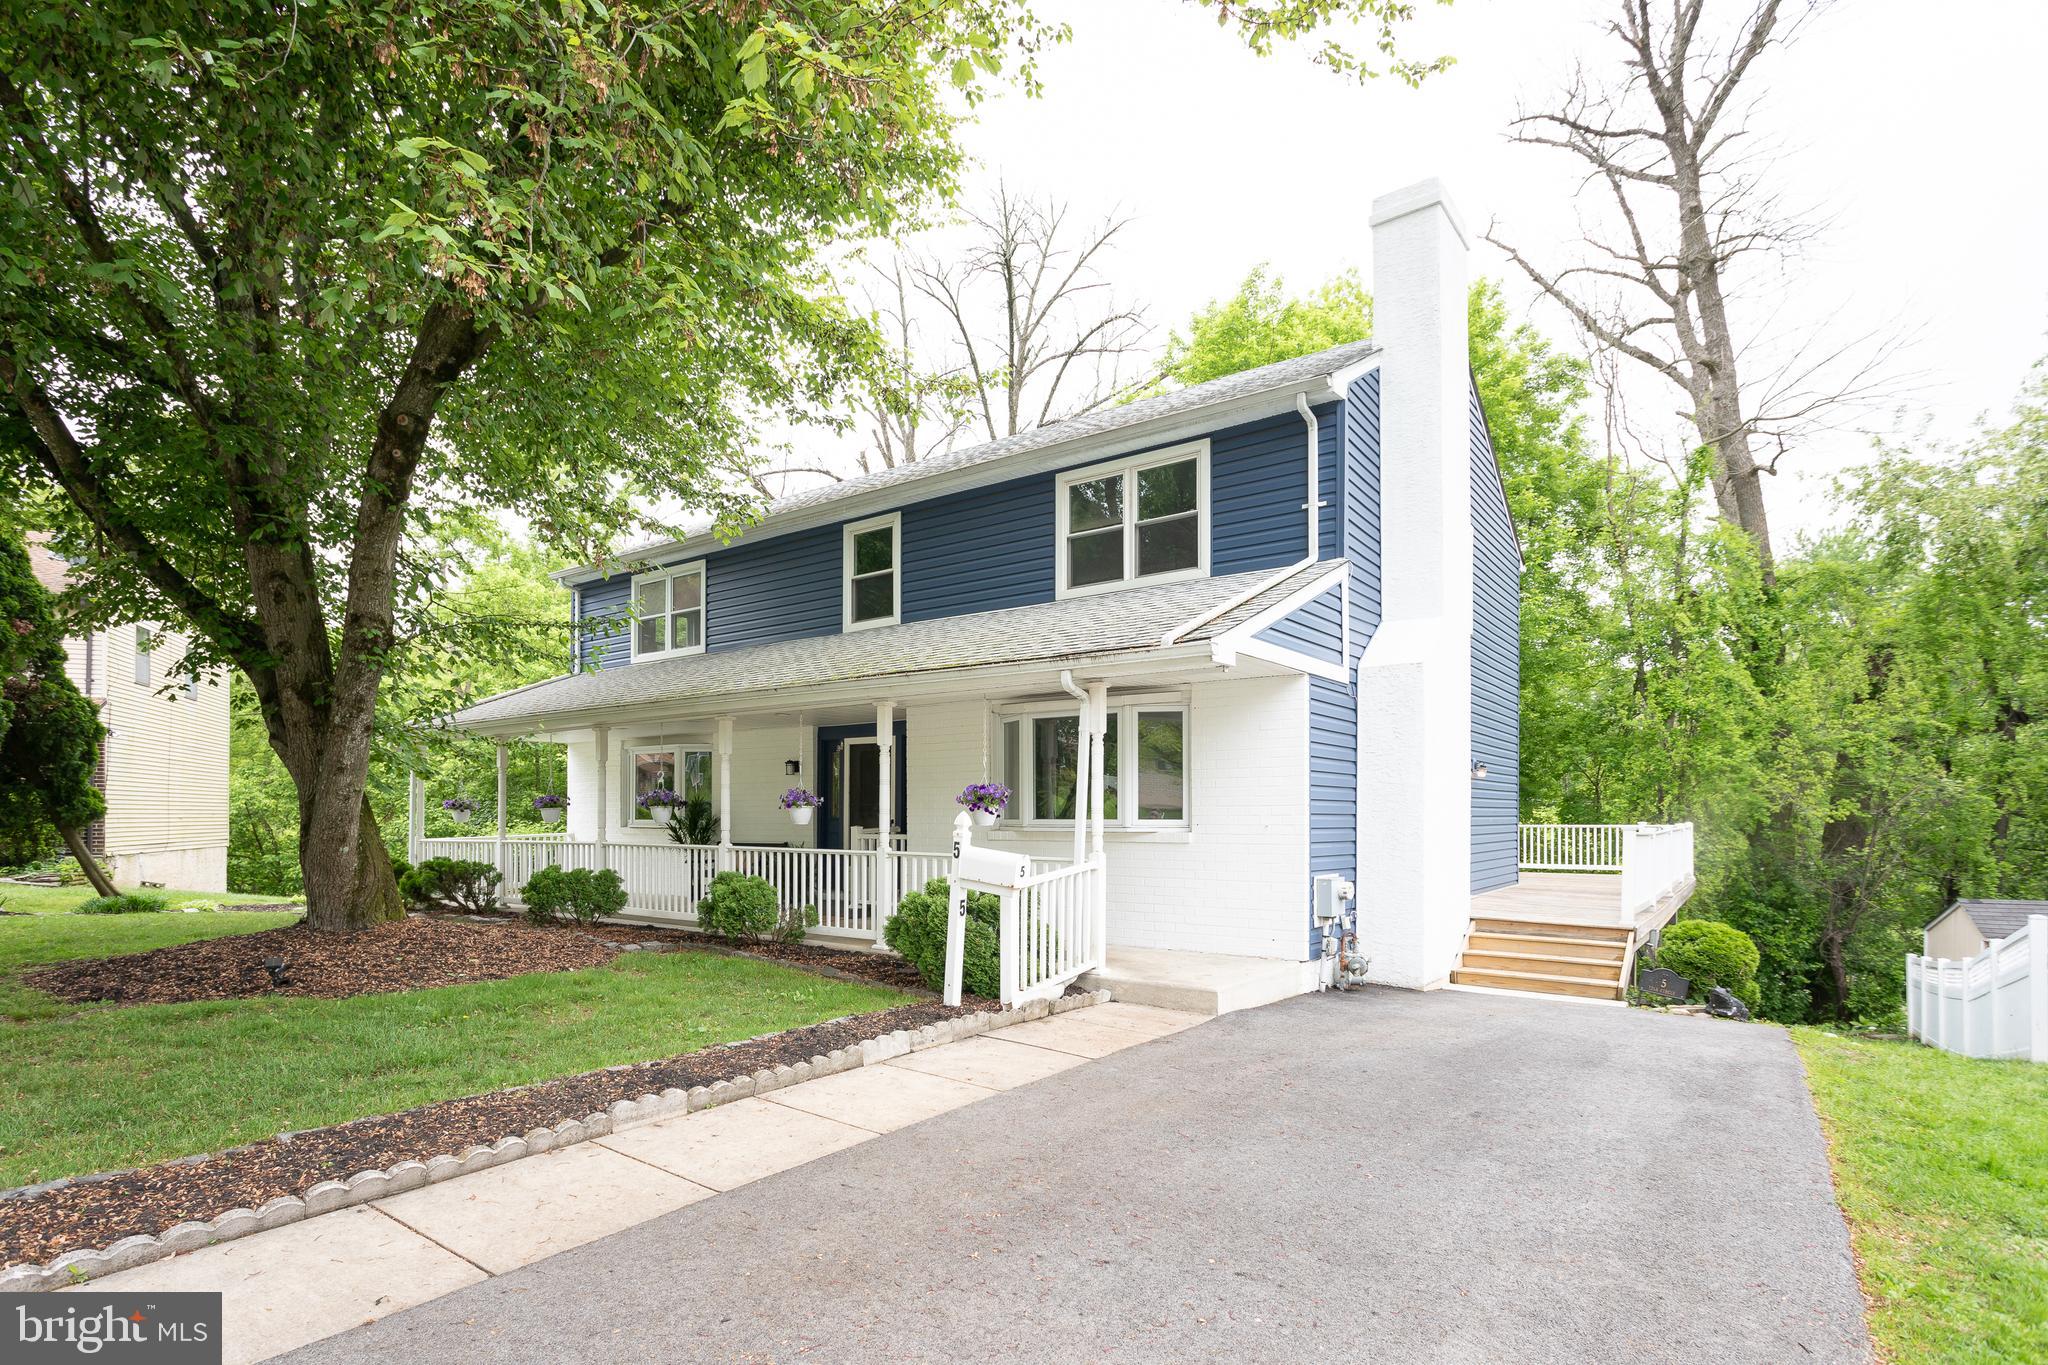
(164, 764)
(1282, 605)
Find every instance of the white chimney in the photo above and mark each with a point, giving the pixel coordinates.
(1415, 679)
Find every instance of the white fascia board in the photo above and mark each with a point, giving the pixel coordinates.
(1227, 655)
(936, 684)
(1044, 460)
(1343, 379)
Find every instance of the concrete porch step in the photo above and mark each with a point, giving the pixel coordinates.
(1199, 983)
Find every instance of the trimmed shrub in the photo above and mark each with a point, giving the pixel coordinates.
(918, 931)
(451, 884)
(796, 922)
(739, 906)
(128, 903)
(1709, 953)
(578, 894)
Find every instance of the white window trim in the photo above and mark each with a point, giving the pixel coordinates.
(629, 805)
(1018, 815)
(1129, 467)
(665, 573)
(145, 650)
(894, 521)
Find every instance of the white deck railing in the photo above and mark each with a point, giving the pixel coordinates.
(1048, 931)
(1992, 1005)
(1569, 848)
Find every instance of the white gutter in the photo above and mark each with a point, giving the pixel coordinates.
(1313, 505)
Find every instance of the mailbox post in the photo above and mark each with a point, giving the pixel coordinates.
(976, 869)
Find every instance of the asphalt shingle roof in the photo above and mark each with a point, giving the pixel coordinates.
(1108, 623)
(2001, 919)
(1283, 374)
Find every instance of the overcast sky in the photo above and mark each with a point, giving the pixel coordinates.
(1914, 127)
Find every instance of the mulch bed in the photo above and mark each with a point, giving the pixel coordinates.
(882, 969)
(97, 1213)
(409, 954)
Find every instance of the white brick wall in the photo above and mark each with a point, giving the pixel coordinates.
(758, 780)
(1237, 882)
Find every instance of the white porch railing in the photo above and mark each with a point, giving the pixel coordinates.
(667, 880)
(1569, 848)
(1048, 932)
(1992, 1005)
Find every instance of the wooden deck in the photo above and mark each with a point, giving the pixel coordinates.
(1573, 898)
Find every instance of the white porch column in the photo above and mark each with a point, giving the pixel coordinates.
(603, 735)
(1415, 677)
(885, 812)
(503, 768)
(415, 818)
(1084, 724)
(806, 836)
(1098, 729)
(725, 793)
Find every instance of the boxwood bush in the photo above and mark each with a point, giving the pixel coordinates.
(451, 884)
(918, 931)
(576, 893)
(1709, 953)
(128, 903)
(738, 905)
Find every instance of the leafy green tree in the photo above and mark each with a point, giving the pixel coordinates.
(281, 288)
(1261, 323)
(49, 733)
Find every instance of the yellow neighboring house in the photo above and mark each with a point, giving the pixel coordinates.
(164, 766)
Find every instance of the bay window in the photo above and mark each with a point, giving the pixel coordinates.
(668, 611)
(1137, 521)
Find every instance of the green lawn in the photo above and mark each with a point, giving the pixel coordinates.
(1941, 1163)
(86, 1088)
(55, 900)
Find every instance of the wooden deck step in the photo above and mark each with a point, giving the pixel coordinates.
(1541, 983)
(1597, 948)
(1610, 933)
(1585, 968)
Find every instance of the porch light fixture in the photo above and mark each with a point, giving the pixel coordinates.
(792, 766)
(1478, 771)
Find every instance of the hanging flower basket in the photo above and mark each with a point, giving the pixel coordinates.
(551, 807)
(459, 809)
(800, 802)
(660, 802)
(984, 801)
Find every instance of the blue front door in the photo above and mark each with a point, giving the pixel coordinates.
(850, 781)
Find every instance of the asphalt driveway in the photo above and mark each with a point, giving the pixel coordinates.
(1384, 1176)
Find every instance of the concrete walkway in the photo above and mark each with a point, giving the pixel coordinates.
(1382, 1176)
(309, 1280)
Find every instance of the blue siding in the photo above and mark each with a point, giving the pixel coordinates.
(979, 550)
(991, 547)
(1258, 480)
(1496, 667)
(1315, 628)
(610, 597)
(1332, 786)
(1362, 504)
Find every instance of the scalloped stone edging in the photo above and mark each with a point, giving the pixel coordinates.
(77, 1267)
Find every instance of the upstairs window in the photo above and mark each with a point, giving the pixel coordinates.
(874, 578)
(1144, 520)
(145, 644)
(668, 609)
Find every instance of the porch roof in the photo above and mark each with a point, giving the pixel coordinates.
(1127, 622)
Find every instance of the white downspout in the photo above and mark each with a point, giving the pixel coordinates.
(1315, 545)
(1081, 749)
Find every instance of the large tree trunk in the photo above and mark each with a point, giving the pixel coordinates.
(86, 862)
(349, 886)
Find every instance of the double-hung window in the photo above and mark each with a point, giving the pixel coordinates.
(1143, 520)
(873, 554)
(683, 769)
(145, 645)
(1144, 766)
(668, 612)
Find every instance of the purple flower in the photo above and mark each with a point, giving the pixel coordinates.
(985, 796)
(660, 797)
(799, 798)
(460, 805)
(549, 801)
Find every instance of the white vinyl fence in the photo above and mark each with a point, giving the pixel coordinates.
(1992, 1005)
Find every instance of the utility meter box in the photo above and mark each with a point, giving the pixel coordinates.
(1333, 893)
